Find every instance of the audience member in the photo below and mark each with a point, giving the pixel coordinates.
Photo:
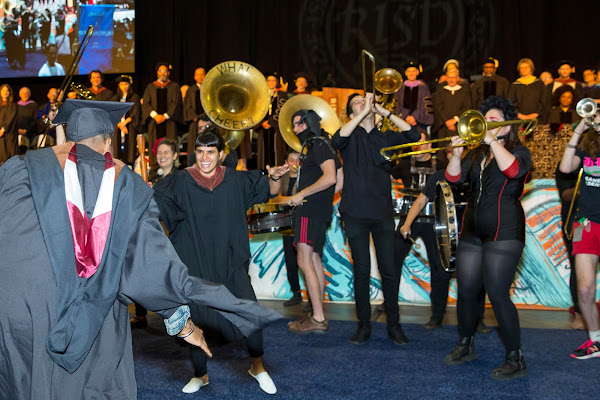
(413, 100)
(490, 85)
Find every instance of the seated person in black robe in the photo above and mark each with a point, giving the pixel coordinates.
(563, 111)
(64, 332)
(204, 209)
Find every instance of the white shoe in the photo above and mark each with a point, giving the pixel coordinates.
(265, 382)
(193, 385)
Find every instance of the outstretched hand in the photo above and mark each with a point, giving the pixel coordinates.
(276, 172)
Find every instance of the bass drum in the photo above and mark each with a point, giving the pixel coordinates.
(450, 204)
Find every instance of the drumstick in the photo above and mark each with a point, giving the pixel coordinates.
(417, 245)
(282, 203)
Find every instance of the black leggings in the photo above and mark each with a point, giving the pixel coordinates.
(491, 265)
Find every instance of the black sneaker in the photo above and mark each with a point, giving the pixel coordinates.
(513, 367)
(433, 324)
(295, 299)
(361, 335)
(397, 335)
(138, 322)
(483, 328)
(464, 351)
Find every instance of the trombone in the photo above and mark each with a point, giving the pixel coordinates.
(472, 127)
(385, 80)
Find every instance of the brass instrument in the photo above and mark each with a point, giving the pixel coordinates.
(232, 139)
(329, 120)
(235, 95)
(82, 91)
(365, 55)
(385, 80)
(586, 109)
(472, 127)
(568, 226)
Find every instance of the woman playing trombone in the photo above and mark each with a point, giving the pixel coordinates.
(492, 236)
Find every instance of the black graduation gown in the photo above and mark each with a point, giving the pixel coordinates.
(104, 94)
(8, 121)
(209, 231)
(26, 118)
(173, 109)
(34, 232)
(529, 99)
(270, 146)
(447, 105)
(192, 108)
(135, 112)
(478, 88)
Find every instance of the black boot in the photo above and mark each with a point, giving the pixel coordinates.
(464, 351)
(513, 367)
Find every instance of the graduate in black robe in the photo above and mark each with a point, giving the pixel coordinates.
(8, 124)
(204, 209)
(270, 146)
(563, 111)
(102, 93)
(64, 326)
(192, 105)
(413, 100)
(528, 94)
(124, 142)
(161, 109)
(449, 102)
(490, 84)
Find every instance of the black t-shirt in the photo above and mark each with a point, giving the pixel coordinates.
(367, 189)
(320, 204)
(291, 185)
(589, 197)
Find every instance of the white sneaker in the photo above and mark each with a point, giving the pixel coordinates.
(265, 382)
(193, 385)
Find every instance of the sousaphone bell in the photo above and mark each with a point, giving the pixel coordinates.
(329, 120)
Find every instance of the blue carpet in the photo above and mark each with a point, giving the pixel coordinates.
(329, 367)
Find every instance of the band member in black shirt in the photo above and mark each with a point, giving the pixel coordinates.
(366, 207)
(318, 182)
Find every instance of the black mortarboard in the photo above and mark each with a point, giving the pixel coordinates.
(160, 63)
(413, 64)
(490, 60)
(570, 63)
(124, 78)
(87, 118)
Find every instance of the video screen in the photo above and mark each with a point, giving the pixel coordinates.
(43, 37)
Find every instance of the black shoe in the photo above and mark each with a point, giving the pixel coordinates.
(138, 322)
(483, 328)
(397, 335)
(513, 367)
(464, 351)
(432, 324)
(307, 308)
(362, 334)
(295, 299)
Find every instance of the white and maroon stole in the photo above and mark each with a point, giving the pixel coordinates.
(89, 237)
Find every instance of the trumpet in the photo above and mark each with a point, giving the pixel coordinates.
(586, 109)
(472, 127)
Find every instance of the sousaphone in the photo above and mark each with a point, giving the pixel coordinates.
(329, 120)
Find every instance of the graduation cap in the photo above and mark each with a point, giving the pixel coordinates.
(413, 64)
(87, 118)
(490, 60)
(570, 63)
(124, 78)
(450, 61)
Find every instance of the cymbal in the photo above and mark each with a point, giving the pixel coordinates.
(409, 192)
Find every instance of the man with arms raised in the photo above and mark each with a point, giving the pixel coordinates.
(366, 207)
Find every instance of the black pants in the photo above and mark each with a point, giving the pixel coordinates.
(491, 265)
(291, 263)
(382, 230)
(440, 279)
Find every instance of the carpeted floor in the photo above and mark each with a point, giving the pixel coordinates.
(329, 367)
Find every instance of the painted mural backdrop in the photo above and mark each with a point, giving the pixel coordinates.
(542, 279)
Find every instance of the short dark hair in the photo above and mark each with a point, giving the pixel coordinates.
(171, 143)
(349, 103)
(211, 137)
(98, 71)
(290, 151)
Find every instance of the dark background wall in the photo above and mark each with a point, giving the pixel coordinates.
(326, 36)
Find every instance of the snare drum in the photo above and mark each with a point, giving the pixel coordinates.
(403, 205)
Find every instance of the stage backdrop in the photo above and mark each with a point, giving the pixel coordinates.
(542, 279)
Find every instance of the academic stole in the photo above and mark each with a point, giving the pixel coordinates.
(89, 237)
